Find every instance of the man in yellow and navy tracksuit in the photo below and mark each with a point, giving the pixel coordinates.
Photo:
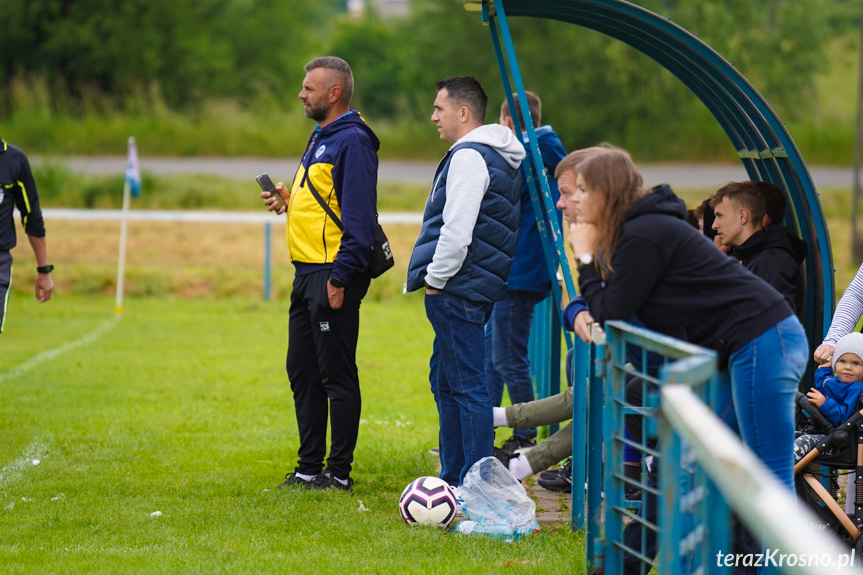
(17, 188)
(332, 214)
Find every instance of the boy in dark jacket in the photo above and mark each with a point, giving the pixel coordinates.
(771, 252)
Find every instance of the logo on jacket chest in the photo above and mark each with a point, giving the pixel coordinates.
(320, 151)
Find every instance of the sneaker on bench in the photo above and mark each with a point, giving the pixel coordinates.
(560, 480)
(550, 473)
(515, 445)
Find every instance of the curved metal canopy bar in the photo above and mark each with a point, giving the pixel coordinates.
(759, 136)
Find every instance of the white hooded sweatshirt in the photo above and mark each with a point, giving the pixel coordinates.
(466, 184)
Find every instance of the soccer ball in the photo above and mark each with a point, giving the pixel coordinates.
(428, 501)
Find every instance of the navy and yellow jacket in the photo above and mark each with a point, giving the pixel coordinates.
(341, 163)
(17, 188)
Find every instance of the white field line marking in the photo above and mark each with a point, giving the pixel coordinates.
(34, 451)
(52, 353)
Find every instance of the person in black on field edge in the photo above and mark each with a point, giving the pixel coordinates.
(18, 188)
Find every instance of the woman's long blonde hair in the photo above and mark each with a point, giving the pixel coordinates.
(616, 183)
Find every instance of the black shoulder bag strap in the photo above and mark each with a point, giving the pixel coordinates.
(381, 258)
(324, 204)
(321, 201)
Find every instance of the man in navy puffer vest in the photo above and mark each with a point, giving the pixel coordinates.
(462, 257)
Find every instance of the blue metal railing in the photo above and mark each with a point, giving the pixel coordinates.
(693, 516)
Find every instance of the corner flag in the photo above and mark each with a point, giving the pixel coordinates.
(133, 171)
(131, 186)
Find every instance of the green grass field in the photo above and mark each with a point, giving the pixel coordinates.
(183, 407)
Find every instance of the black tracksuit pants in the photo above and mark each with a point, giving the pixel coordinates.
(322, 368)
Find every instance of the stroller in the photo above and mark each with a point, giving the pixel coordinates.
(817, 473)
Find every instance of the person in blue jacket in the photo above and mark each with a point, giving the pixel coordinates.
(508, 330)
(836, 395)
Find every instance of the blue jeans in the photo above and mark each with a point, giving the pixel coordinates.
(506, 357)
(458, 383)
(756, 394)
(756, 399)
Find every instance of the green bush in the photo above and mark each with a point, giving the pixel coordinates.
(220, 77)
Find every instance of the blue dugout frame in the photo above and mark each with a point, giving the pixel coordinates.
(759, 136)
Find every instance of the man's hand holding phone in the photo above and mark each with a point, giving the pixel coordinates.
(274, 196)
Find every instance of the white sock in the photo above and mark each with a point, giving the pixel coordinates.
(304, 476)
(342, 481)
(520, 467)
(498, 415)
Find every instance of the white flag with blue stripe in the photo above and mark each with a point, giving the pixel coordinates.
(133, 171)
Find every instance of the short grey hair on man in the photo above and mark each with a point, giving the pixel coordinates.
(345, 78)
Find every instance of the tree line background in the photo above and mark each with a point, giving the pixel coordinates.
(221, 76)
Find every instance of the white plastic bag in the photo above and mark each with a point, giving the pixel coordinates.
(493, 498)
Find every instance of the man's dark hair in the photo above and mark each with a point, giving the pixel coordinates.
(692, 218)
(708, 218)
(745, 195)
(774, 201)
(343, 76)
(466, 91)
(534, 105)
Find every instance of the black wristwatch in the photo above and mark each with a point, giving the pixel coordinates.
(335, 282)
(45, 269)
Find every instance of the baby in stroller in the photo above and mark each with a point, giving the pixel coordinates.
(835, 395)
(832, 443)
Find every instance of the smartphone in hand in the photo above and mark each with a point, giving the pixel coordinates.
(267, 185)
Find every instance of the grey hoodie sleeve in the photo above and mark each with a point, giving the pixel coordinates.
(467, 182)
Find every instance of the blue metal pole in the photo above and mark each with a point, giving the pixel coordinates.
(670, 518)
(579, 367)
(546, 214)
(595, 384)
(540, 351)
